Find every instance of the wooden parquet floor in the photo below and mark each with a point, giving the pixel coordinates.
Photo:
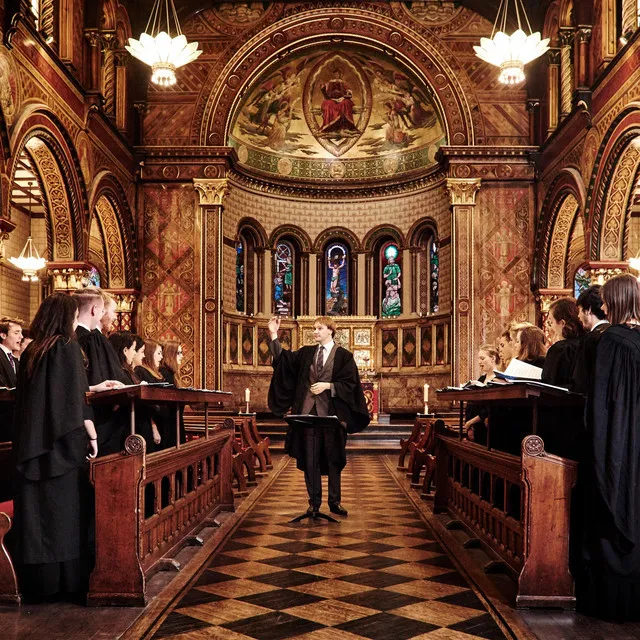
(379, 573)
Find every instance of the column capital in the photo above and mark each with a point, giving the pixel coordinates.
(212, 191)
(566, 36)
(584, 33)
(68, 276)
(93, 36)
(545, 297)
(553, 56)
(109, 40)
(533, 104)
(462, 191)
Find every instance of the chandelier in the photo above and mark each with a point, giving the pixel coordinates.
(158, 49)
(29, 261)
(511, 53)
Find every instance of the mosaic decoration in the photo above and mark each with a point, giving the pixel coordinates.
(240, 291)
(434, 262)
(264, 355)
(441, 356)
(247, 344)
(409, 348)
(233, 343)
(391, 281)
(362, 337)
(426, 346)
(283, 279)
(337, 279)
(389, 347)
(581, 282)
(367, 111)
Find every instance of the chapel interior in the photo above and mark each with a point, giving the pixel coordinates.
(424, 208)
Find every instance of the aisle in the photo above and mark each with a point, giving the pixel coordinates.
(377, 574)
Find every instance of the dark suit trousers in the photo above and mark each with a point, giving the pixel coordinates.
(316, 438)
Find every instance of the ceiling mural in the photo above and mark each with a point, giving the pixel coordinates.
(347, 114)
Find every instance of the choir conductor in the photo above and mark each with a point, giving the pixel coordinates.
(319, 380)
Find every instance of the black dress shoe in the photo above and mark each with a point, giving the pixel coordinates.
(339, 509)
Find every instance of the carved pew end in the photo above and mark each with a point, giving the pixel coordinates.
(9, 593)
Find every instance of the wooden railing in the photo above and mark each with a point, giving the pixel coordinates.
(520, 507)
(148, 507)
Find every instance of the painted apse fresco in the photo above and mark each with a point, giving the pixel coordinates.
(344, 115)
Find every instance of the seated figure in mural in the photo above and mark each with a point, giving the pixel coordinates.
(337, 106)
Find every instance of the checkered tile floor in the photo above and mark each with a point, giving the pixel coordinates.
(378, 574)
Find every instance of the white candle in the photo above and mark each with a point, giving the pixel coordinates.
(426, 392)
(247, 394)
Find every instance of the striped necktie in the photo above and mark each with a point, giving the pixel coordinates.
(319, 359)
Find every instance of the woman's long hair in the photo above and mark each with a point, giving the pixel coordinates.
(170, 359)
(150, 347)
(121, 340)
(622, 297)
(566, 309)
(532, 344)
(54, 321)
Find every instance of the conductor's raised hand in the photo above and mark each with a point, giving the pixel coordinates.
(318, 387)
(274, 326)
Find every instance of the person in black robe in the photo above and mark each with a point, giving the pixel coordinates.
(324, 381)
(606, 531)
(102, 364)
(10, 340)
(476, 414)
(172, 356)
(54, 435)
(595, 323)
(566, 332)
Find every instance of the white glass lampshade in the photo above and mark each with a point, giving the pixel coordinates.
(29, 262)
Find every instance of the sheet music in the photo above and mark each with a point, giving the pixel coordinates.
(519, 369)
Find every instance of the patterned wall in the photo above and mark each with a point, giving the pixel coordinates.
(504, 239)
(170, 279)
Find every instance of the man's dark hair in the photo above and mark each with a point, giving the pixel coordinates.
(591, 300)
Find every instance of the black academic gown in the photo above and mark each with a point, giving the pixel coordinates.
(288, 390)
(8, 378)
(48, 540)
(168, 416)
(584, 370)
(103, 364)
(560, 362)
(607, 565)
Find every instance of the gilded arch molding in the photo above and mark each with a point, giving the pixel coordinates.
(295, 232)
(336, 232)
(387, 230)
(109, 202)
(429, 58)
(73, 231)
(559, 245)
(568, 182)
(610, 177)
(254, 227)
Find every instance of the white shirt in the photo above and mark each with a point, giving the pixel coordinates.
(7, 351)
(327, 351)
(84, 326)
(599, 322)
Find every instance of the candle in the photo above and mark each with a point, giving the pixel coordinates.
(247, 394)
(426, 392)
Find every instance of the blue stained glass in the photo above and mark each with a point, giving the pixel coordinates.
(337, 280)
(94, 277)
(581, 282)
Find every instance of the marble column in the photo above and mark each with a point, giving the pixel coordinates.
(462, 194)
(211, 193)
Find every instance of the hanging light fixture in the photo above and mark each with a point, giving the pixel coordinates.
(511, 53)
(29, 261)
(163, 53)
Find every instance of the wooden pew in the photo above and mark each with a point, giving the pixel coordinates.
(149, 507)
(519, 506)
(9, 592)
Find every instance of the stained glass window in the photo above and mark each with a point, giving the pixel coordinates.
(94, 277)
(283, 279)
(240, 290)
(581, 282)
(391, 281)
(336, 296)
(434, 263)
